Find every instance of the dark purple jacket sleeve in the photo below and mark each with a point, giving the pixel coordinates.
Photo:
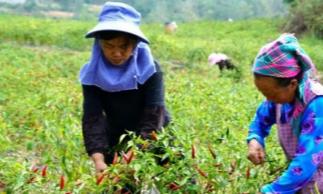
(94, 123)
(155, 115)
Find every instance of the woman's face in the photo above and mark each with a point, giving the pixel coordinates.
(270, 88)
(117, 50)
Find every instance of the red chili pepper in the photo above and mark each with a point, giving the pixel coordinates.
(116, 179)
(201, 172)
(193, 151)
(173, 186)
(100, 179)
(217, 165)
(62, 182)
(212, 152)
(2, 185)
(115, 158)
(44, 171)
(34, 169)
(31, 180)
(209, 187)
(128, 157)
(248, 173)
(154, 136)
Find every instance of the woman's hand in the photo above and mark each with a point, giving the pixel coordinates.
(256, 153)
(100, 165)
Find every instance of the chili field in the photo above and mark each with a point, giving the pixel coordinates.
(41, 108)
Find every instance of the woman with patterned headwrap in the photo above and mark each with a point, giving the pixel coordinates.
(284, 74)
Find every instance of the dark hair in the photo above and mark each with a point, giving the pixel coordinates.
(108, 35)
(282, 82)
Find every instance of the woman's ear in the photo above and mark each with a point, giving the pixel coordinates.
(293, 84)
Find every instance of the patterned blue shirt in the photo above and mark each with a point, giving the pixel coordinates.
(309, 153)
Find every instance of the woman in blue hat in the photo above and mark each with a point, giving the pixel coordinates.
(122, 84)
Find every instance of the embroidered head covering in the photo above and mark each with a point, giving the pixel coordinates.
(284, 58)
(137, 69)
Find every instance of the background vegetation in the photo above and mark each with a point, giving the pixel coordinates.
(162, 11)
(305, 16)
(40, 109)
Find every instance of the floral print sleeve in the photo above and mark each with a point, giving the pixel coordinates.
(262, 122)
(308, 154)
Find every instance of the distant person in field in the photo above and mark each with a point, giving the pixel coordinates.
(170, 27)
(284, 74)
(122, 84)
(221, 60)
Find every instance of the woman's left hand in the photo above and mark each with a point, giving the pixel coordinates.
(256, 153)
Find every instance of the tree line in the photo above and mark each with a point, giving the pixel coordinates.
(165, 10)
(305, 16)
(300, 15)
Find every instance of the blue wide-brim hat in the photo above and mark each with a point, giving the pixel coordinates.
(116, 16)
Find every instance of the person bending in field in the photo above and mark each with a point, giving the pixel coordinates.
(122, 84)
(284, 74)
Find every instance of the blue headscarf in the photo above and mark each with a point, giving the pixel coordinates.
(117, 16)
(99, 72)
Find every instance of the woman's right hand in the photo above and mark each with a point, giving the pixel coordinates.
(100, 165)
(256, 153)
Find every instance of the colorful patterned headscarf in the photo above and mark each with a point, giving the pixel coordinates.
(284, 58)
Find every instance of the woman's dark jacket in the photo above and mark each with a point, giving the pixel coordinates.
(108, 114)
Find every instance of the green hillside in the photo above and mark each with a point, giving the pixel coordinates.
(40, 108)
